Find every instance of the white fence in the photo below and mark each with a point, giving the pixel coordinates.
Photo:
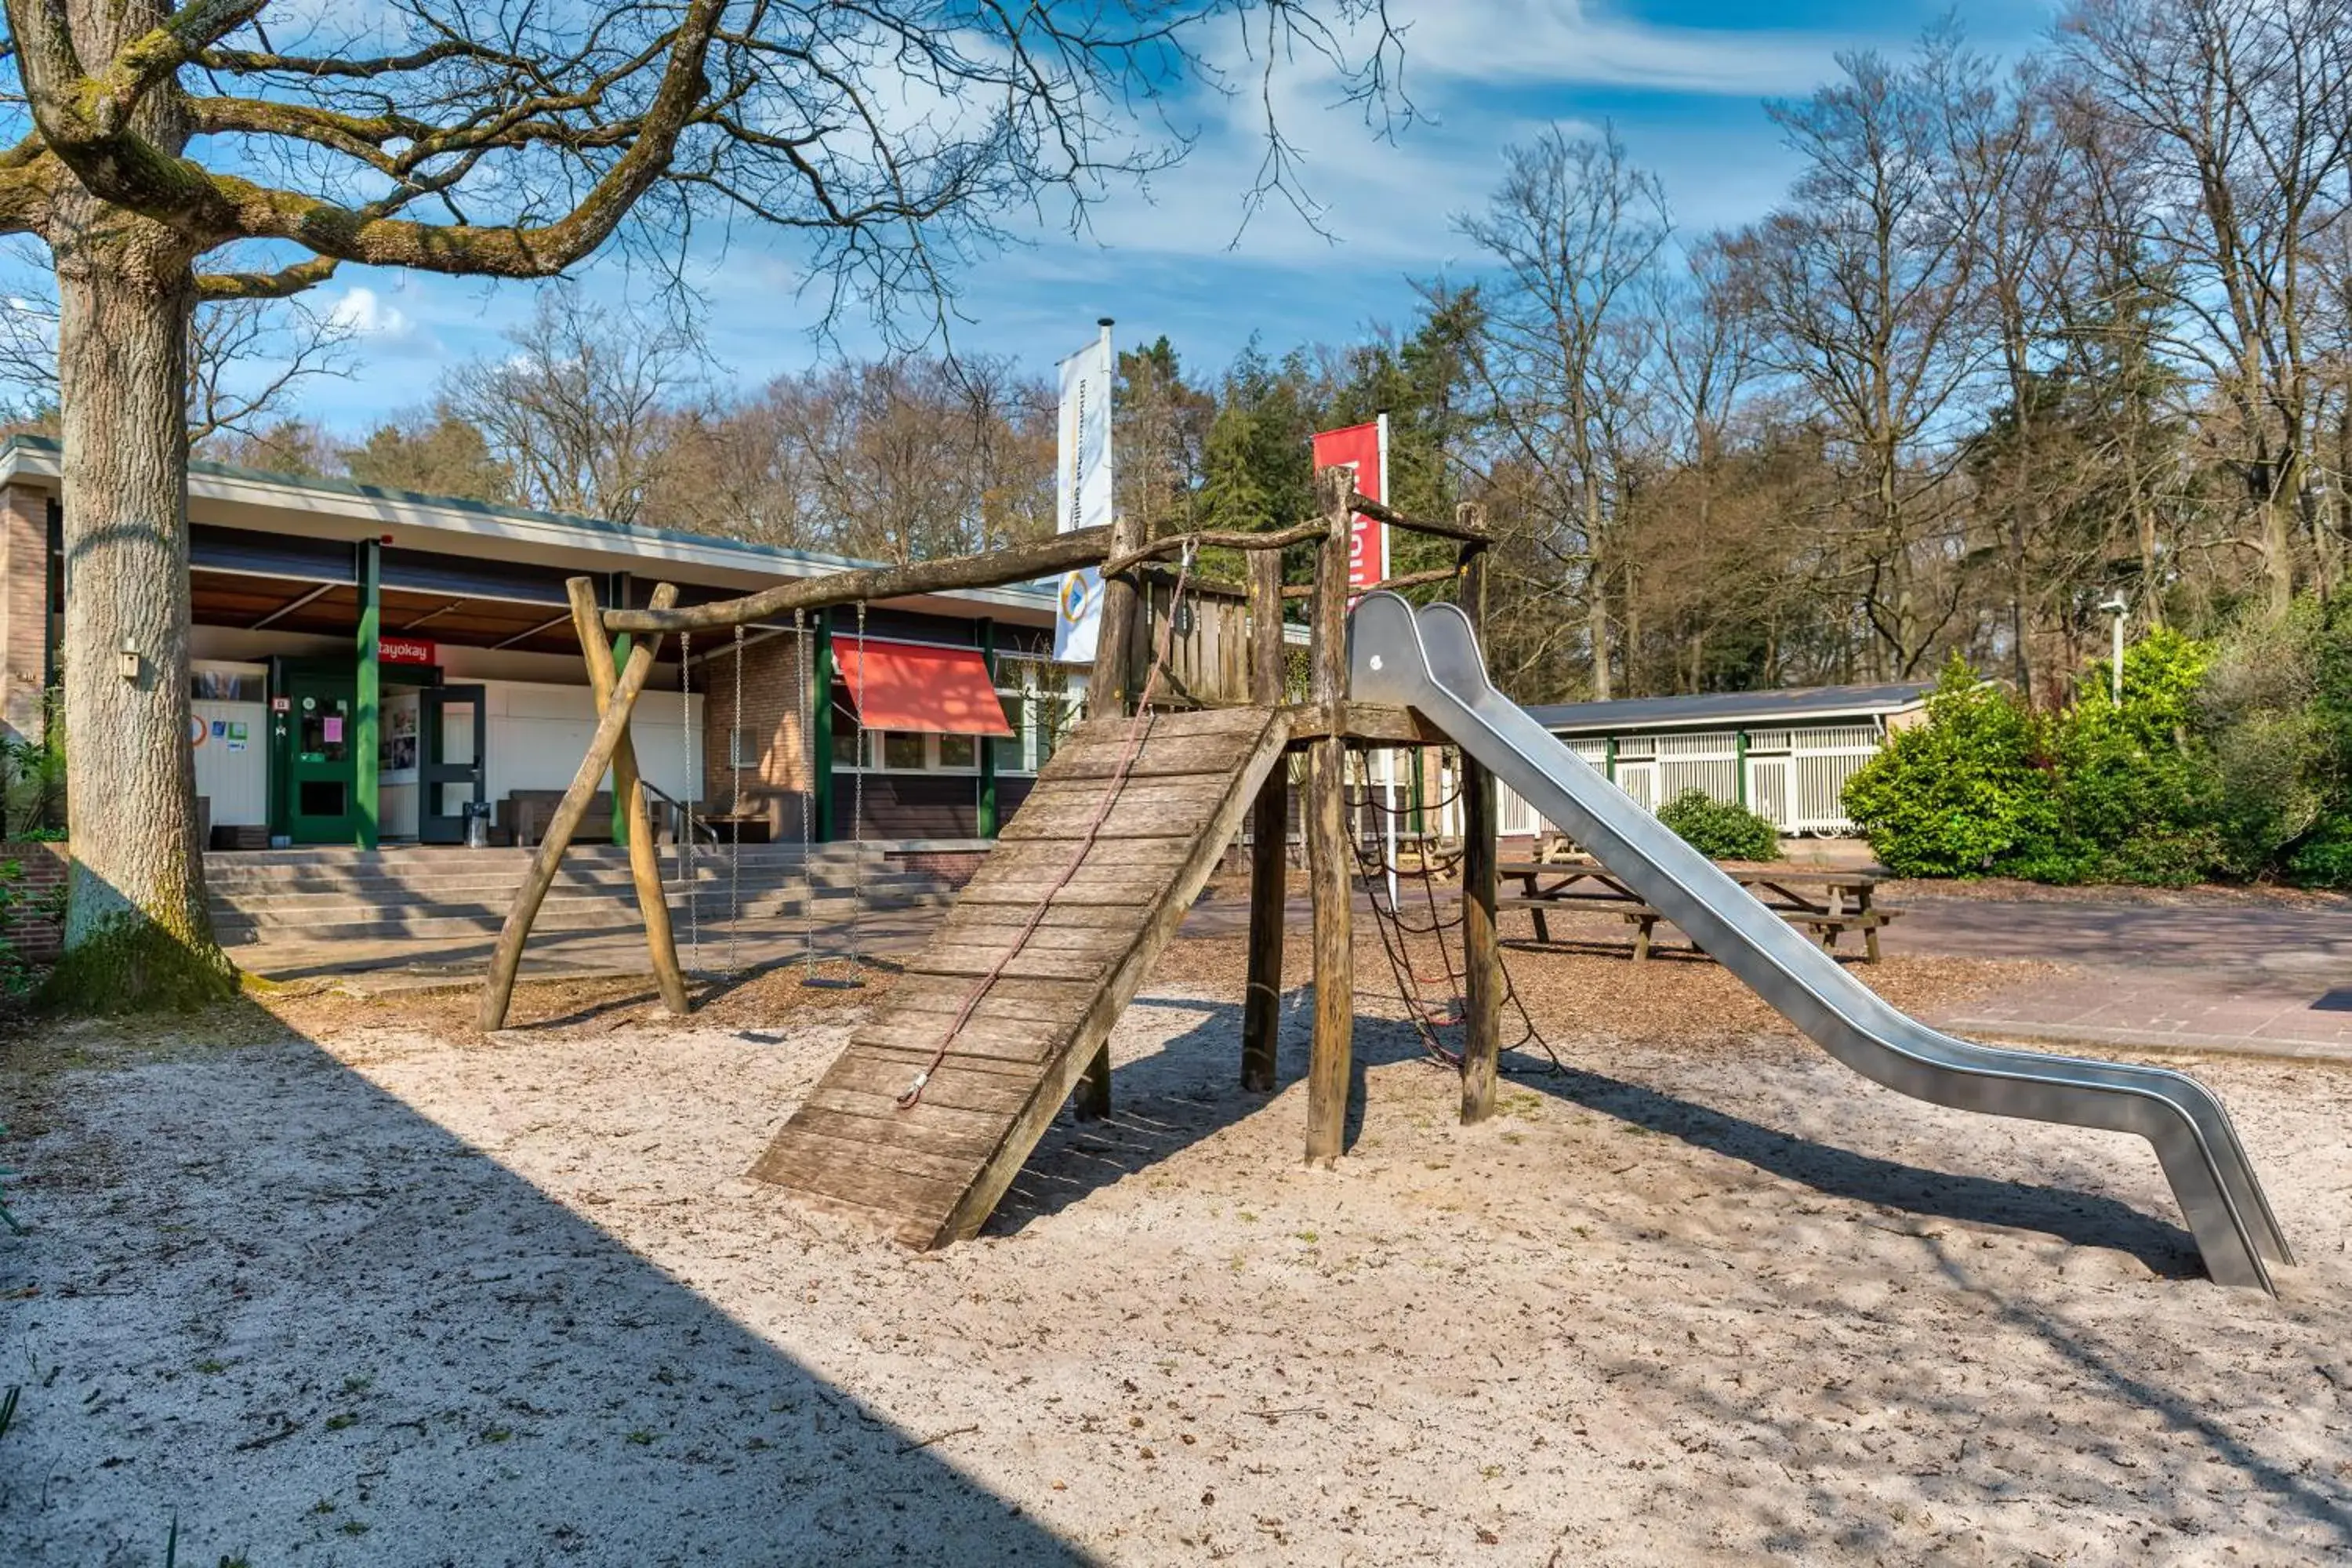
(1795, 779)
(1823, 759)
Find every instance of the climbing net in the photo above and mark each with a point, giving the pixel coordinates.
(1399, 923)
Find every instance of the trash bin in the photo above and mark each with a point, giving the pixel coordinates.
(478, 825)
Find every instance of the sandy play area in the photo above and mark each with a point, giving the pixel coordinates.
(343, 1283)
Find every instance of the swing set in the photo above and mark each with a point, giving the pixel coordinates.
(688, 875)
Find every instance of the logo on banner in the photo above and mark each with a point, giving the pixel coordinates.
(1082, 491)
(1363, 450)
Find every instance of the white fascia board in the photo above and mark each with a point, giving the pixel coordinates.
(495, 531)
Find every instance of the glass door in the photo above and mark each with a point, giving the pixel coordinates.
(453, 768)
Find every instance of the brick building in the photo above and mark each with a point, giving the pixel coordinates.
(369, 666)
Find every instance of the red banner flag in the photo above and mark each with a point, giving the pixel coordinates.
(1364, 449)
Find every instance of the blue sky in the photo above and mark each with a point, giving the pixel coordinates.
(1682, 81)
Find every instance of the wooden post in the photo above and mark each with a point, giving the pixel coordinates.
(611, 725)
(629, 809)
(1269, 827)
(1482, 961)
(1328, 854)
(1108, 690)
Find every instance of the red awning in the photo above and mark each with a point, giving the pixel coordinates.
(914, 686)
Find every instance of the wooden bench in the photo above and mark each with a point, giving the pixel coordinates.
(525, 814)
(1826, 929)
(1828, 904)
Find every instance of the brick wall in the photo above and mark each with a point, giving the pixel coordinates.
(23, 607)
(34, 921)
(775, 775)
(953, 867)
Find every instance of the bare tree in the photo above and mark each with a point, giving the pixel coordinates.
(494, 138)
(2239, 109)
(1575, 228)
(248, 359)
(1864, 290)
(910, 457)
(574, 412)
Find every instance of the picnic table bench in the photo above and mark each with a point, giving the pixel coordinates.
(1827, 903)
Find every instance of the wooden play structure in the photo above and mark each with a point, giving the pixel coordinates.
(935, 1103)
(924, 1119)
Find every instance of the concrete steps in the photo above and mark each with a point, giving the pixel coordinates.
(445, 894)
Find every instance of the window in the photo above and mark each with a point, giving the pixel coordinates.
(742, 747)
(1042, 703)
(899, 751)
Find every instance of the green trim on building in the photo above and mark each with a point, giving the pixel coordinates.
(367, 699)
(622, 643)
(1740, 766)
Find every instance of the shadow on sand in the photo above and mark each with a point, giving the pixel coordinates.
(1188, 1091)
(302, 1318)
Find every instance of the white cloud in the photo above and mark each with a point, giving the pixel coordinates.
(366, 314)
(1567, 43)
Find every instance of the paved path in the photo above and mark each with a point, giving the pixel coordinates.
(2219, 975)
(2234, 974)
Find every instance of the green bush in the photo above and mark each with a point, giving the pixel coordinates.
(1720, 830)
(2134, 799)
(1954, 797)
(2230, 758)
(2324, 860)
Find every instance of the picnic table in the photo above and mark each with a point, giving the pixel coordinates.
(1827, 903)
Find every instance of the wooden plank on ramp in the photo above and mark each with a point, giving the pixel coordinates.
(933, 1173)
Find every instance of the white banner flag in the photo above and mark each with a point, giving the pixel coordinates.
(1082, 490)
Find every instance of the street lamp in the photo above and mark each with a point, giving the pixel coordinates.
(2116, 608)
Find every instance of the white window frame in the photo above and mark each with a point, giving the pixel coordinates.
(871, 753)
(1026, 689)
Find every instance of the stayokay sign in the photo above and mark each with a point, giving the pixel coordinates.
(404, 650)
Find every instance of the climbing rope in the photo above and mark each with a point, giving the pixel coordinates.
(1375, 867)
(1136, 725)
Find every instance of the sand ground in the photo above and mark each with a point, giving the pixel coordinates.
(347, 1283)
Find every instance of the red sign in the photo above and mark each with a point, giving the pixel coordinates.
(404, 650)
(1358, 447)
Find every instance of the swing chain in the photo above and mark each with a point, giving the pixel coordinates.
(690, 789)
(735, 808)
(857, 819)
(808, 798)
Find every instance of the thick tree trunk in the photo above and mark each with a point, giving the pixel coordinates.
(137, 930)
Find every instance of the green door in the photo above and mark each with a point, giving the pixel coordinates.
(311, 737)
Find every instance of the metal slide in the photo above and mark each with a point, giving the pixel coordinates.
(1431, 662)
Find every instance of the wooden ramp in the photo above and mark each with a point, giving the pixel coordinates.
(932, 1172)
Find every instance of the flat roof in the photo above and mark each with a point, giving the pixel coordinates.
(1720, 708)
(485, 528)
